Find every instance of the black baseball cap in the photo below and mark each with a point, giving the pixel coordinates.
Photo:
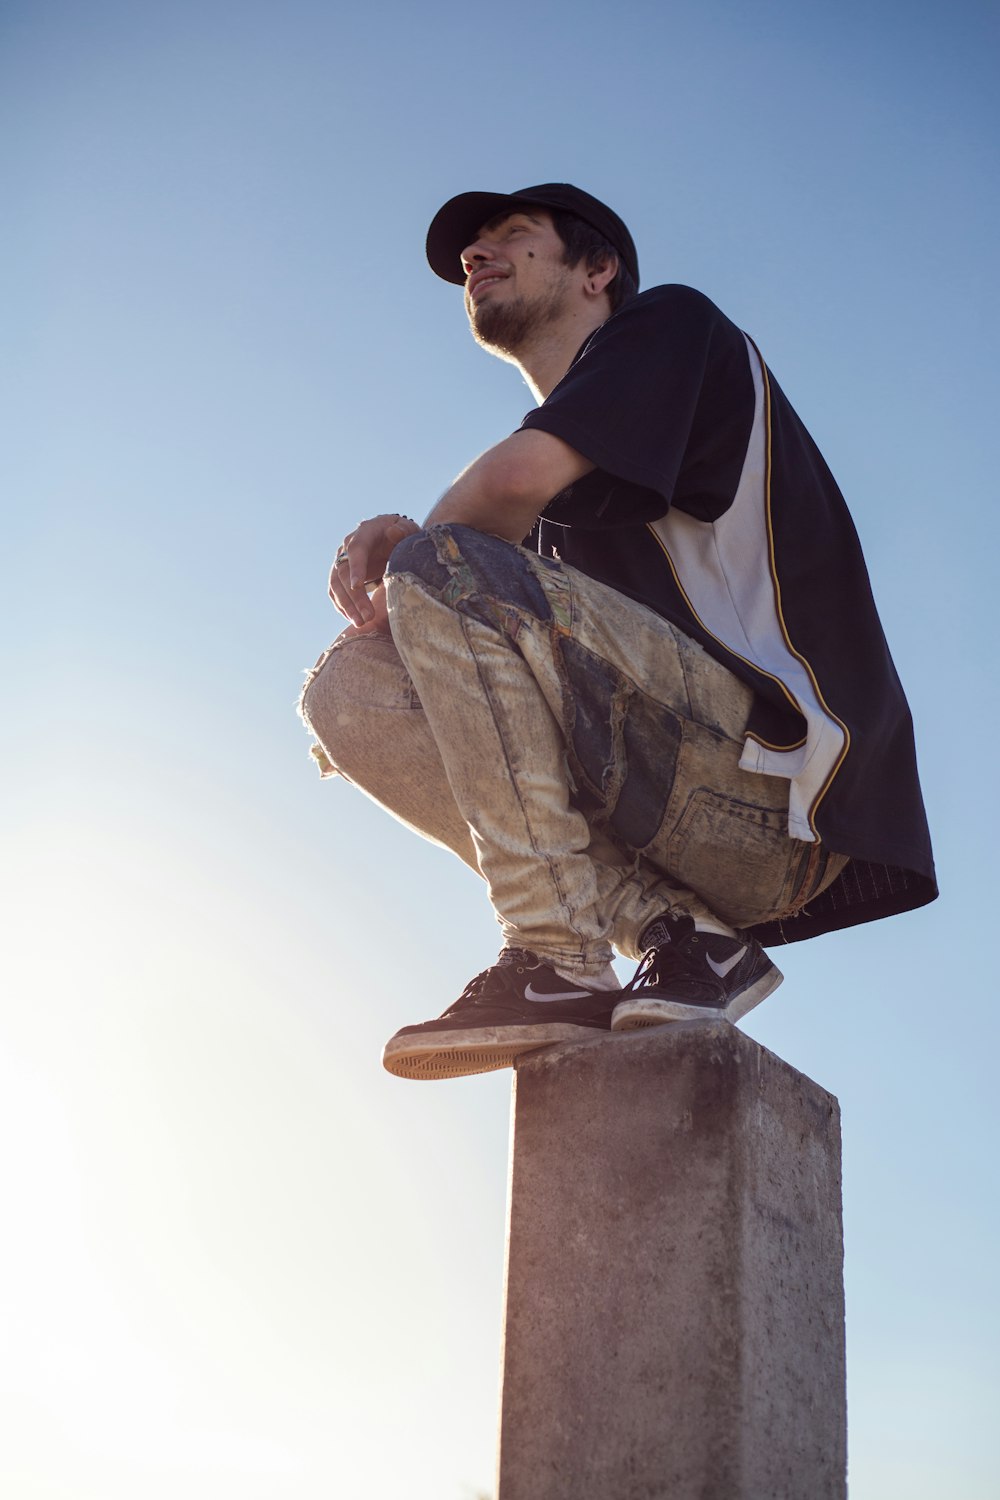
(456, 224)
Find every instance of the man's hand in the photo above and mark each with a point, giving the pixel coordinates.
(502, 492)
(361, 559)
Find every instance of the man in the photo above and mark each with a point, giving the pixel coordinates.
(629, 669)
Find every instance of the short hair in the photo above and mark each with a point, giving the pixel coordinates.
(581, 241)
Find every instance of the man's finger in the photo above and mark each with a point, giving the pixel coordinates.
(379, 619)
(352, 602)
(360, 563)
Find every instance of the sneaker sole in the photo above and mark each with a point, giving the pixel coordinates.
(634, 1015)
(481, 1051)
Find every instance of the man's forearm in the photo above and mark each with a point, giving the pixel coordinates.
(505, 490)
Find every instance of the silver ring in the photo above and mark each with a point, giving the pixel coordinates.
(340, 557)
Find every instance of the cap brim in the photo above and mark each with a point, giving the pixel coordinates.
(456, 225)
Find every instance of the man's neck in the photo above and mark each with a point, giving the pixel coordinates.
(545, 361)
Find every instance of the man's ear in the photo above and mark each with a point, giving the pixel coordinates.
(600, 277)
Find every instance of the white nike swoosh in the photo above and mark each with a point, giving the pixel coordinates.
(723, 969)
(531, 994)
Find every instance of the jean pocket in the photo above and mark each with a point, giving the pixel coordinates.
(737, 856)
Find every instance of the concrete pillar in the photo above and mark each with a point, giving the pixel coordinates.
(674, 1305)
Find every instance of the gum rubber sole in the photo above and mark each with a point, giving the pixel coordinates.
(484, 1050)
(438, 1064)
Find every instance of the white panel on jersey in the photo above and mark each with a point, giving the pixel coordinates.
(724, 568)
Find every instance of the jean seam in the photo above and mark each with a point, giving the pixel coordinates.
(500, 723)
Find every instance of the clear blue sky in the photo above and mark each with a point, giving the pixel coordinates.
(239, 1259)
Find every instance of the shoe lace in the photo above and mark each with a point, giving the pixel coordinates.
(471, 993)
(658, 966)
(475, 987)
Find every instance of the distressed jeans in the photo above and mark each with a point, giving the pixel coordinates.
(577, 750)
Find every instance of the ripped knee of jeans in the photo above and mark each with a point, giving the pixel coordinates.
(317, 752)
(317, 705)
(358, 691)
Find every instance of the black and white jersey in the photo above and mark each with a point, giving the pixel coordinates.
(711, 505)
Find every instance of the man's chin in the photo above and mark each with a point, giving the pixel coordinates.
(502, 329)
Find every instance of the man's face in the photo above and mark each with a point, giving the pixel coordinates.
(516, 280)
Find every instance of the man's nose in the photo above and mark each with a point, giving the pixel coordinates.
(476, 254)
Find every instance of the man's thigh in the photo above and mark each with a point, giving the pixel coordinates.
(662, 775)
(654, 731)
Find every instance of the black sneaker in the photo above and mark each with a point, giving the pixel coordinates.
(515, 1006)
(687, 975)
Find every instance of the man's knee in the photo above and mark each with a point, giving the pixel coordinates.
(348, 691)
(461, 565)
(416, 556)
(317, 703)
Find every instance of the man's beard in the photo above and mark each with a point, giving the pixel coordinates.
(508, 327)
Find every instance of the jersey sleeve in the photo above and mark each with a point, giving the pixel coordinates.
(629, 401)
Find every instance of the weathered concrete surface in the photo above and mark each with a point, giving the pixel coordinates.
(674, 1324)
